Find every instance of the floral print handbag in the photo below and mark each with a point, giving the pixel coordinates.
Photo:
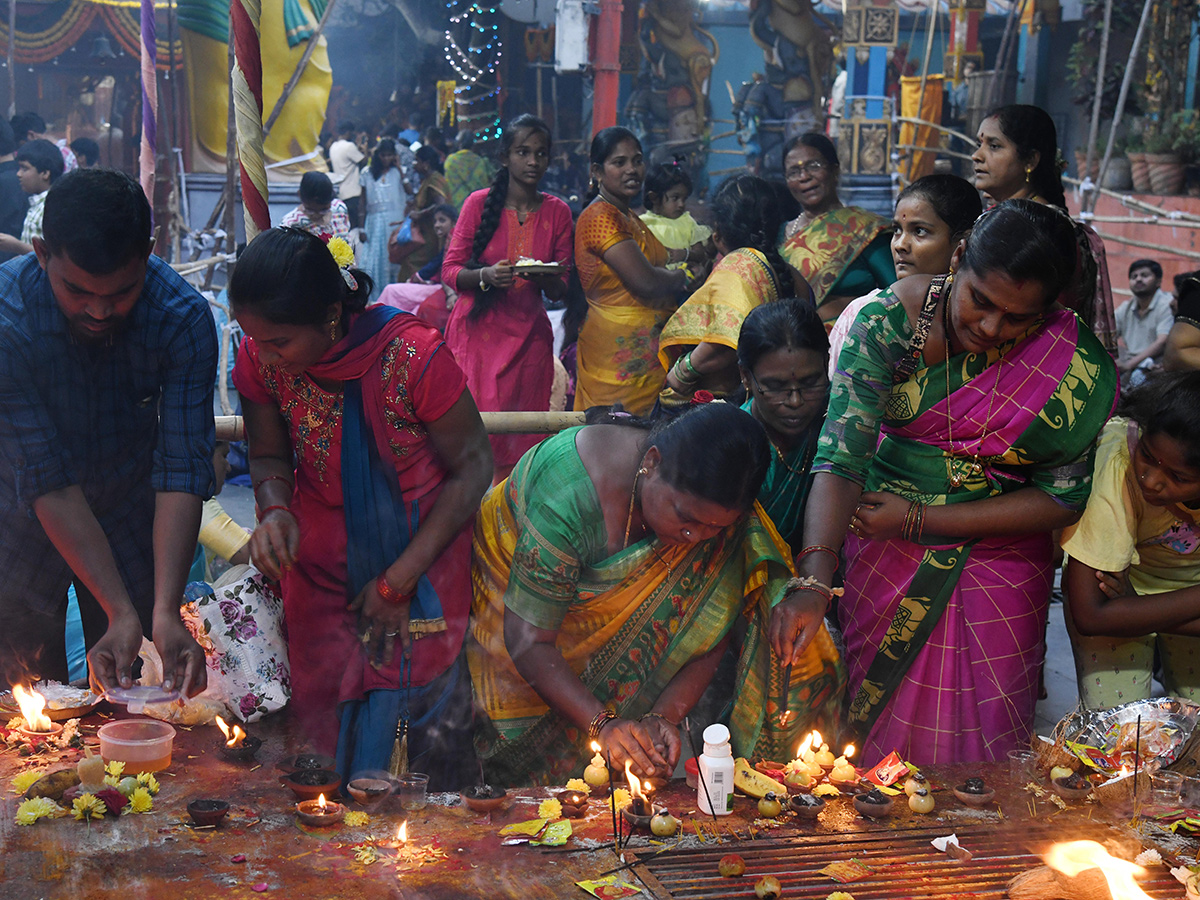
(240, 627)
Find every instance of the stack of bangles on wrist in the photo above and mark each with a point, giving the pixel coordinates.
(263, 512)
(810, 583)
(602, 718)
(685, 373)
(819, 548)
(914, 521)
(389, 593)
(654, 715)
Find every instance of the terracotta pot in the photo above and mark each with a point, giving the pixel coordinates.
(1118, 177)
(1166, 173)
(1139, 172)
(1081, 160)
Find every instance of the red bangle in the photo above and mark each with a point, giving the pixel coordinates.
(389, 593)
(274, 478)
(263, 512)
(815, 548)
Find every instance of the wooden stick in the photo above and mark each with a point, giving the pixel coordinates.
(1186, 254)
(1094, 127)
(231, 428)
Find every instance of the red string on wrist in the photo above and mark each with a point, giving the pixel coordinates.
(263, 512)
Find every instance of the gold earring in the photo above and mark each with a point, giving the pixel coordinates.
(1028, 172)
(643, 471)
(333, 330)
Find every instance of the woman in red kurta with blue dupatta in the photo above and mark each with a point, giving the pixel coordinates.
(369, 471)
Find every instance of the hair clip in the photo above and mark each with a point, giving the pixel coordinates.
(348, 277)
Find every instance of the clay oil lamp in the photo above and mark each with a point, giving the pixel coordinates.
(36, 723)
(973, 792)
(574, 803)
(319, 813)
(595, 775)
(484, 798)
(237, 744)
(301, 761)
(806, 806)
(369, 790)
(1072, 786)
(308, 784)
(639, 811)
(844, 774)
(207, 812)
(824, 756)
(874, 804)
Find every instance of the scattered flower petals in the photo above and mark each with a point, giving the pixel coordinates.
(549, 809)
(114, 801)
(238, 858)
(840, 895)
(1148, 857)
(116, 767)
(365, 855)
(356, 818)
(140, 801)
(38, 808)
(259, 888)
(24, 780)
(112, 780)
(826, 790)
(87, 806)
(149, 782)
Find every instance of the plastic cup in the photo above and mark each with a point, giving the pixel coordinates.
(144, 745)
(410, 788)
(1166, 788)
(1022, 766)
(1189, 792)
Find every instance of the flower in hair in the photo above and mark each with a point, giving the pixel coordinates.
(341, 252)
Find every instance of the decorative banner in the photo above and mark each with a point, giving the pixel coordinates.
(248, 113)
(446, 108)
(149, 102)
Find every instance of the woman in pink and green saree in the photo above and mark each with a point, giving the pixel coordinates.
(961, 431)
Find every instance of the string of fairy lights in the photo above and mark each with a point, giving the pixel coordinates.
(473, 49)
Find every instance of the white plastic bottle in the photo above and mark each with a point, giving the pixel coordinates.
(716, 772)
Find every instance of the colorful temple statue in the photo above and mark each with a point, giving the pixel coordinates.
(797, 44)
(286, 28)
(669, 109)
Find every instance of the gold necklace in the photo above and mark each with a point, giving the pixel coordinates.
(956, 479)
(632, 498)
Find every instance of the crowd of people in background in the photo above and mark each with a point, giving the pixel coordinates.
(918, 412)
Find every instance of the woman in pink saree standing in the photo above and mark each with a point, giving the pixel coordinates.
(961, 431)
(498, 329)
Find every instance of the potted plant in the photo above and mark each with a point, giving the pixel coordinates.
(1162, 162)
(1186, 127)
(1135, 152)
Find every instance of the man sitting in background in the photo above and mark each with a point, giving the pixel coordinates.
(1143, 322)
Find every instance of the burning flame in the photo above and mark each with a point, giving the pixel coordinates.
(32, 703)
(849, 751)
(233, 739)
(402, 833)
(805, 745)
(321, 803)
(816, 738)
(1074, 857)
(635, 783)
(595, 746)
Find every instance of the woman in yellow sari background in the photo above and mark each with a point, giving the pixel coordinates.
(842, 251)
(609, 573)
(630, 292)
(698, 346)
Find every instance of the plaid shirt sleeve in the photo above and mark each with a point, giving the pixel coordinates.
(183, 455)
(28, 441)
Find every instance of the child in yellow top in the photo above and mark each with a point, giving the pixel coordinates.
(666, 191)
(1133, 577)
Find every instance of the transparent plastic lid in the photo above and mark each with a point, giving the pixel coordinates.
(135, 698)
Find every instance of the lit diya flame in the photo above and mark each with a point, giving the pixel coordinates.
(32, 705)
(402, 833)
(804, 747)
(849, 751)
(321, 804)
(640, 797)
(1075, 857)
(232, 738)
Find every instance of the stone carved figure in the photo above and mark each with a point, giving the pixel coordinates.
(669, 109)
(797, 44)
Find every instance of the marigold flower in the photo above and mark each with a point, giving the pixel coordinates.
(149, 782)
(578, 784)
(341, 252)
(356, 818)
(88, 806)
(38, 808)
(116, 767)
(140, 801)
(550, 809)
(23, 781)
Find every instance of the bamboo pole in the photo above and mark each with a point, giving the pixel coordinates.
(997, 70)
(1094, 127)
(232, 428)
(12, 66)
(295, 79)
(229, 220)
(1145, 245)
(933, 8)
(1120, 110)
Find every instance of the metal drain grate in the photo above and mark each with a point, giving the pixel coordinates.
(905, 864)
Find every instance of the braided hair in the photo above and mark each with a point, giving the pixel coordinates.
(747, 214)
(1032, 130)
(493, 205)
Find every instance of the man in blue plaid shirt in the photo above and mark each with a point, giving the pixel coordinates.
(107, 365)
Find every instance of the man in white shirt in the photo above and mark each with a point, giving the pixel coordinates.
(345, 158)
(1143, 322)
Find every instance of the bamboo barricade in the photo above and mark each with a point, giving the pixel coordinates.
(232, 428)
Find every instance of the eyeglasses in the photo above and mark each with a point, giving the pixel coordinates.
(809, 389)
(813, 167)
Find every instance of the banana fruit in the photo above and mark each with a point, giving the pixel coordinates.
(754, 783)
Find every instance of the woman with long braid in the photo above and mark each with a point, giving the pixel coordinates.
(498, 329)
(698, 346)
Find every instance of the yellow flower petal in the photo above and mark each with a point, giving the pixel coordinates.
(550, 809)
(88, 805)
(24, 780)
(149, 782)
(140, 801)
(38, 808)
(116, 767)
(356, 818)
(341, 252)
(578, 784)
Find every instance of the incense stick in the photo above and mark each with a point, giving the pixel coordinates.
(612, 800)
(687, 731)
(1137, 756)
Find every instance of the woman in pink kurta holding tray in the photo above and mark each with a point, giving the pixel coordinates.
(498, 329)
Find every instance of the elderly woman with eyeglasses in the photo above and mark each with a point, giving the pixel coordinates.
(842, 251)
